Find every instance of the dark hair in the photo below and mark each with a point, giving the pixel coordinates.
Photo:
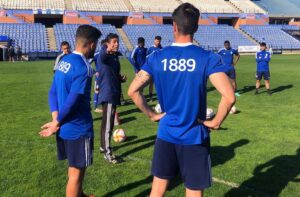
(63, 43)
(141, 40)
(263, 44)
(111, 36)
(226, 42)
(103, 41)
(186, 17)
(87, 34)
(157, 37)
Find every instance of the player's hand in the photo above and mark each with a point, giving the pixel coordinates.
(156, 117)
(49, 129)
(211, 124)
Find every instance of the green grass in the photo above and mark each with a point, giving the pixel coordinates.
(256, 148)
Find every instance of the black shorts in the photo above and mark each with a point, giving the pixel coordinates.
(79, 152)
(192, 162)
(265, 74)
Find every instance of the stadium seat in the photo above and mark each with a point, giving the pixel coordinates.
(33, 4)
(272, 35)
(30, 37)
(67, 33)
(213, 6)
(248, 6)
(97, 5)
(149, 32)
(213, 37)
(164, 6)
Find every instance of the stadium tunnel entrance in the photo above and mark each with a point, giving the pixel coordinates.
(226, 21)
(118, 21)
(49, 19)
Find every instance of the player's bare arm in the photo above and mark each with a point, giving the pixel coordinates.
(141, 80)
(221, 82)
(237, 59)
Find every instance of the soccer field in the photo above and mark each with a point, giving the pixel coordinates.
(253, 154)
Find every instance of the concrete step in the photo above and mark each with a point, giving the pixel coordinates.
(125, 39)
(51, 39)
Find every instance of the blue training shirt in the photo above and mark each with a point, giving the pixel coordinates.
(228, 56)
(180, 74)
(74, 75)
(153, 49)
(263, 58)
(138, 58)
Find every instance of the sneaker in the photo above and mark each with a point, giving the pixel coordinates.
(111, 159)
(101, 150)
(123, 102)
(97, 110)
(256, 92)
(269, 93)
(237, 94)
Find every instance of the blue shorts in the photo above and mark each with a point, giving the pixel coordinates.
(231, 73)
(79, 152)
(265, 74)
(192, 162)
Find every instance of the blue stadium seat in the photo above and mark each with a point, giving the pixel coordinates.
(30, 37)
(272, 35)
(67, 33)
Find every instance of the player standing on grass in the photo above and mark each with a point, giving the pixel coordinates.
(110, 92)
(66, 49)
(263, 58)
(69, 100)
(181, 70)
(228, 55)
(157, 46)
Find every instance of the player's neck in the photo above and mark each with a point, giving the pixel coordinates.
(82, 51)
(183, 39)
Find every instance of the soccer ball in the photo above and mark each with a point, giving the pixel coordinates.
(233, 110)
(209, 113)
(157, 108)
(119, 135)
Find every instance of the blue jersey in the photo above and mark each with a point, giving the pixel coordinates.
(74, 74)
(138, 57)
(109, 79)
(153, 49)
(180, 74)
(228, 56)
(263, 58)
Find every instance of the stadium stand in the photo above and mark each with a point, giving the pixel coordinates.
(247, 6)
(213, 37)
(97, 5)
(272, 35)
(33, 4)
(67, 33)
(154, 5)
(149, 32)
(213, 6)
(30, 37)
(280, 7)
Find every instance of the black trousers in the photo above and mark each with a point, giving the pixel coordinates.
(107, 126)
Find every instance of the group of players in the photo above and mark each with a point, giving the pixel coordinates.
(180, 70)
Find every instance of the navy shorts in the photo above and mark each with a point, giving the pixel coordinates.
(265, 74)
(192, 162)
(231, 73)
(79, 152)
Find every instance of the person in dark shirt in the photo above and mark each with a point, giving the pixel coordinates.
(110, 81)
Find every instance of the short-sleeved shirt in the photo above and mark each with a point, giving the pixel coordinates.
(58, 58)
(228, 56)
(180, 74)
(263, 58)
(109, 79)
(74, 74)
(138, 57)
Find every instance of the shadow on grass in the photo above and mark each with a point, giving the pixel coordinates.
(220, 155)
(246, 89)
(128, 143)
(270, 178)
(128, 119)
(281, 88)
